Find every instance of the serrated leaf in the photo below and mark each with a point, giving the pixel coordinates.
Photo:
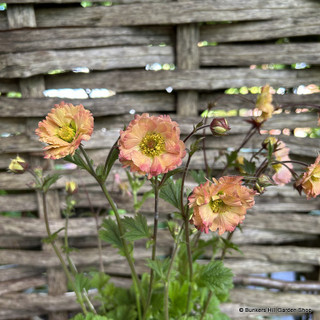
(198, 176)
(49, 181)
(110, 233)
(170, 192)
(77, 159)
(136, 228)
(230, 245)
(231, 157)
(160, 267)
(81, 282)
(249, 167)
(216, 277)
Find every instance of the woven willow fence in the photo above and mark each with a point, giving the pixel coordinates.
(117, 45)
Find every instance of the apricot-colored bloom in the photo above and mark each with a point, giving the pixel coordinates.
(64, 129)
(220, 205)
(282, 172)
(151, 145)
(310, 180)
(264, 104)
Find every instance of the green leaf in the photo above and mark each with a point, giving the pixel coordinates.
(270, 151)
(170, 192)
(198, 176)
(194, 147)
(49, 181)
(53, 236)
(172, 173)
(99, 170)
(81, 282)
(112, 157)
(77, 159)
(249, 167)
(146, 195)
(160, 267)
(231, 157)
(230, 245)
(216, 277)
(136, 228)
(110, 233)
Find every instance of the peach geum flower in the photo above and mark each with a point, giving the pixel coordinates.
(282, 174)
(64, 128)
(220, 205)
(310, 180)
(151, 145)
(264, 104)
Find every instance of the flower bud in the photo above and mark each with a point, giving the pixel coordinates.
(18, 165)
(265, 181)
(219, 126)
(272, 140)
(71, 187)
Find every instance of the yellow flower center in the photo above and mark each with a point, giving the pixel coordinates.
(66, 133)
(217, 205)
(152, 145)
(277, 167)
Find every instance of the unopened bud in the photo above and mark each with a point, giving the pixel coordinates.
(265, 181)
(71, 187)
(219, 126)
(18, 165)
(272, 140)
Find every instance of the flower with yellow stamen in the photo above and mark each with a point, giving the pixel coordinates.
(220, 205)
(64, 128)
(151, 145)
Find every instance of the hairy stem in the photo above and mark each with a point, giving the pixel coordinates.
(166, 286)
(223, 254)
(58, 254)
(154, 246)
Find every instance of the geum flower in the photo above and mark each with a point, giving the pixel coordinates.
(309, 182)
(151, 145)
(64, 128)
(220, 205)
(282, 171)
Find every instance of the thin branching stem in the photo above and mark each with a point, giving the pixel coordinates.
(154, 239)
(58, 254)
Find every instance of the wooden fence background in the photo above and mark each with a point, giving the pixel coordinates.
(116, 45)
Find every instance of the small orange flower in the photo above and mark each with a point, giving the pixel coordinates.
(264, 104)
(151, 145)
(310, 180)
(282, 172)
(64, 129)
(220, 205)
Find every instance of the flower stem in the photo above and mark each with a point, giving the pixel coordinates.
(154, 246)
(58, 254)
(137, 284)
(223, 254)
(187, 235)
(166, 286)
